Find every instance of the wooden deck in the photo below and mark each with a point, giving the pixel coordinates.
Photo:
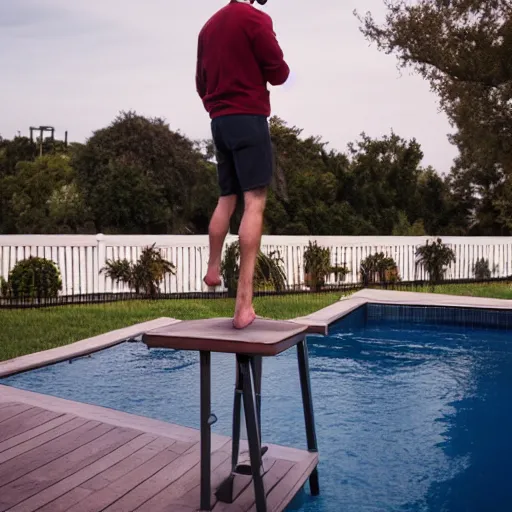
(53, 460)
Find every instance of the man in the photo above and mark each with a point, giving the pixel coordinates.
(238, 54)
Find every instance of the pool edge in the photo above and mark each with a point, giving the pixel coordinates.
(320, 321)
(80, 348)
(317, 323)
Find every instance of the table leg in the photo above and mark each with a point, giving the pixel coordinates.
(257, 369)
(253, 434)
(205, 358)
(307, 402)
(236, 420)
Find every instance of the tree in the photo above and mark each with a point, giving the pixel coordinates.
(384, 175)
(42, 197)
(139, 177)
(464, 49)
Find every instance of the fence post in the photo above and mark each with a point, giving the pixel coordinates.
(102, 259)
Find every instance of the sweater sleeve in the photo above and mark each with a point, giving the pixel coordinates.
(269, 54)
(200, 75)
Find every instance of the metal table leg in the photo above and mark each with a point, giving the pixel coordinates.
(257, 369)
(253, 434)
(237, 406)
(307, 401)
(224, 492)
(206, 421)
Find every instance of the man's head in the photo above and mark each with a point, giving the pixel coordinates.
(261, 2)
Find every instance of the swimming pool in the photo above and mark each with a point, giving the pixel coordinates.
(412, 405)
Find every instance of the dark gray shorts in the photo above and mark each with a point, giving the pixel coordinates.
(244, 153)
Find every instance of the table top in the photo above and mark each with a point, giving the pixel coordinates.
(263, 337)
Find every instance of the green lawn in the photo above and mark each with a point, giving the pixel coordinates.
(26, 331)
(31, 330)
(496, 290)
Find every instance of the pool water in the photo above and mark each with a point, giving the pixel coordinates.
(410, 416)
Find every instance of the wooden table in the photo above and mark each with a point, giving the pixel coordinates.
(264, 338)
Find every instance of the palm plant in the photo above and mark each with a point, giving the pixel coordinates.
(144, 276)
(268, 271)
(435, 258)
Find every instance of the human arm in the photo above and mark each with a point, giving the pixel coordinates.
(269, 54)
(200, 74)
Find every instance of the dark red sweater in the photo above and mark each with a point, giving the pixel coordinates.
(238, 54)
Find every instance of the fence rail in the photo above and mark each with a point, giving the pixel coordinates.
(80, 258)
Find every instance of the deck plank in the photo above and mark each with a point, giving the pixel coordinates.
(54, 461)
(13, 410)
(38, 480)
(116, 490)
(281, 495)
(27, 420)
(33, 438)
(129, 464)
(192, 498)
(71, 481)
(175, 494)
(34, 459)
(157, 482)
(66, 501)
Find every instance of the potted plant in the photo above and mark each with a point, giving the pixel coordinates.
(340, 272)
(317, 265)
(378, 268)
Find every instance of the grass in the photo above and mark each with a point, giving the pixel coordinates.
(496, 290)
(32, 330)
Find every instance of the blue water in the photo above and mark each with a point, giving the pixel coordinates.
(410, 417)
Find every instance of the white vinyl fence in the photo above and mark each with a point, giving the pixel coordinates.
(80, 258)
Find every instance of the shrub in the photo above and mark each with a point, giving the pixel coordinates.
(268, 272)
(230, 268)
(378, 268)
(144, 276)
(482, 271)
(317, 265)
(4, 287)
(434, 258)
(34, 278)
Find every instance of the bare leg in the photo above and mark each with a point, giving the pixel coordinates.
(219, 227)
(251, 228)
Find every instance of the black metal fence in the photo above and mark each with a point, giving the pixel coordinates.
(105, 298)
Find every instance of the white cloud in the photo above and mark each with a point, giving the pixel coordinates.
(75, 65)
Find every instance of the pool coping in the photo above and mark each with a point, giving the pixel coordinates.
(80, 348)
(317, 323)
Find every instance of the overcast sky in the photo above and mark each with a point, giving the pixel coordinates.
(74, 64)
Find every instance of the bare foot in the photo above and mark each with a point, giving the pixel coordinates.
(212, 279)
(244, 318)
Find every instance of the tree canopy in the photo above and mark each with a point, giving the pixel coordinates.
(138, 176)
(464, 49)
